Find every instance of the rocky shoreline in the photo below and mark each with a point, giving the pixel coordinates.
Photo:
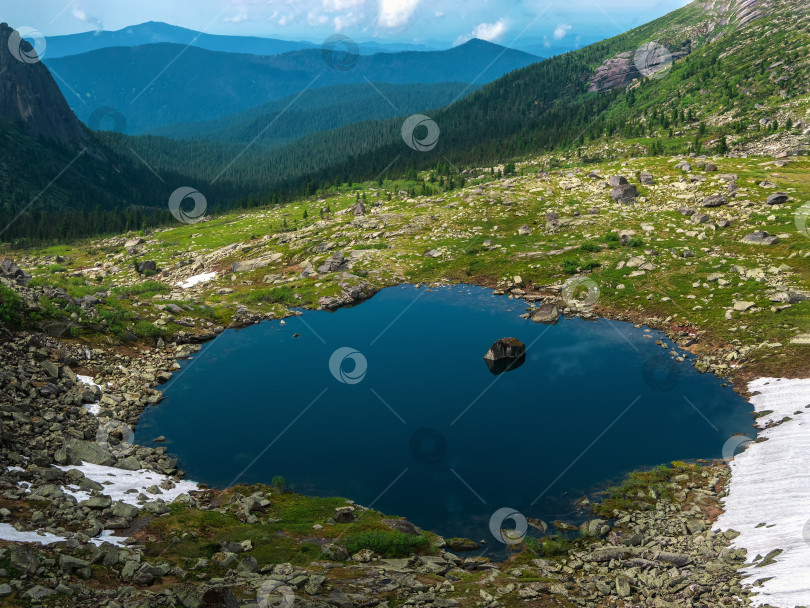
(657, 549)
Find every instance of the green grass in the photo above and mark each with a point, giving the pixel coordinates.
(147, 289)
(640, 491)
(271, 295)
(550, 546)
(386, 543)
(11, 308)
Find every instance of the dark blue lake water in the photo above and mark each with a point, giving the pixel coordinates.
(425, 430)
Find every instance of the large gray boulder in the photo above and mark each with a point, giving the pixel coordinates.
(79, 451)
(9, 270)
(547, 313)
(335, 263)
(626, 192)
(715, 200)
(760, 237)
(777, 198)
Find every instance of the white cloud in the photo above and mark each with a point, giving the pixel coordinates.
(561, 30)
(491, 32)
(82, 15)
(238, 18)
(395, 14)
(333, 6)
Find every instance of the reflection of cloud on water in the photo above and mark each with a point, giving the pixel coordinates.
(576, 358)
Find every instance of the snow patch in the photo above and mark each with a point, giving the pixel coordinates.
(10, 533)
(770, 485)
(124, 486)
(93, 408)
(87, 380)
(196, 279)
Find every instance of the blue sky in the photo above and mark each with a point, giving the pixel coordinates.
(516, 22)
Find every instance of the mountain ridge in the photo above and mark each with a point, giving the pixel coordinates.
(150, 94)
(151, 32)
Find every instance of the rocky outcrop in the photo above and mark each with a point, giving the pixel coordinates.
(352, 291)
(13, 274)
(30, 97)
(256, 263)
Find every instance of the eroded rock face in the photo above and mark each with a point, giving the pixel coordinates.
(616, 72)
(29, 95)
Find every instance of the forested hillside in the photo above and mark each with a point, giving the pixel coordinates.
(323, 109)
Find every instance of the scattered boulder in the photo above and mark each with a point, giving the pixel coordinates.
(777, 198)
(715, 200)
(335, 263)
(624, 193)
(10, 271)
(647, 178)
(146, 267)
(760, 237)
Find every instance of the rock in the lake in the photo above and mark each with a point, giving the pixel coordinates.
(547, 313)
(505, 355)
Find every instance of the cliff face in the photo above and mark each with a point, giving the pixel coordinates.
(29, 95)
